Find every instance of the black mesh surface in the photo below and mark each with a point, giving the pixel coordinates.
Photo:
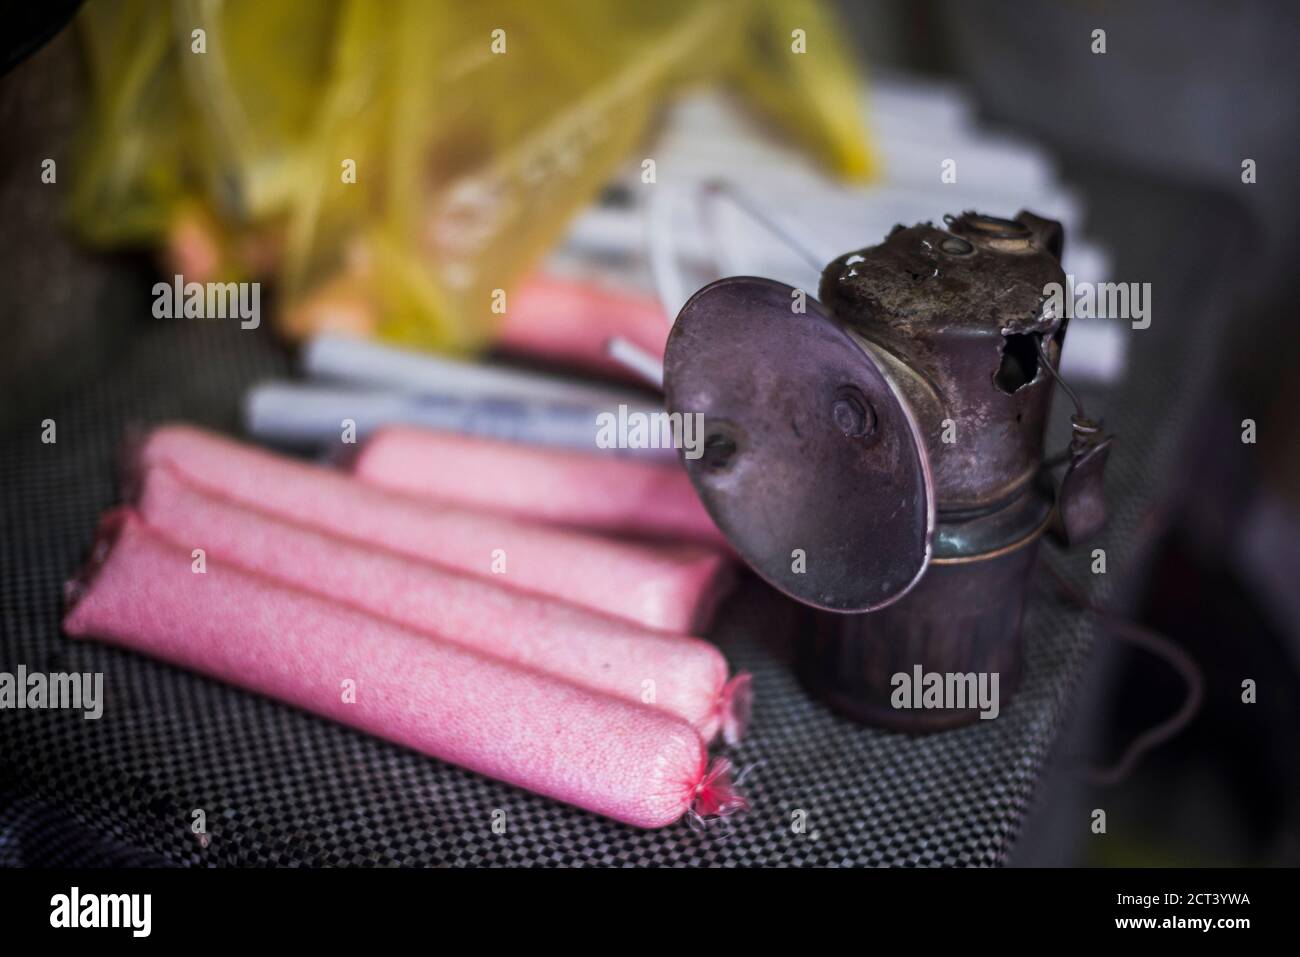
(281, 787)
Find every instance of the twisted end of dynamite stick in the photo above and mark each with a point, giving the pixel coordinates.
(716, 795)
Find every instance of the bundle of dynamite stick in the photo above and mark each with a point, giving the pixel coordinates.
(525, 613)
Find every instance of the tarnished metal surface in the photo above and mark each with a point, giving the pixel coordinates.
(961, 619)
(962, 536)
(1081, 502)
(894, 435)
(813, 467)
(960, 310)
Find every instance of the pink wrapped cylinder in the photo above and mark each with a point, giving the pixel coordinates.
(569, 321)
(626, 761)
(674, 588)
(601, 493)
(687, 676)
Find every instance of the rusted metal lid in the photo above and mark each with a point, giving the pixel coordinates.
(813, 464)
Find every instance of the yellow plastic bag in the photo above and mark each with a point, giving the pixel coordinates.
(398, 164)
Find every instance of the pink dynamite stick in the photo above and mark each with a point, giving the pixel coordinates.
(630, 762)
(688, 676)
(674, 588)
(570, 321)
(570, 488)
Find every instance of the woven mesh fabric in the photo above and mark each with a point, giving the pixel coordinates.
(35, 834)
(280, 787)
